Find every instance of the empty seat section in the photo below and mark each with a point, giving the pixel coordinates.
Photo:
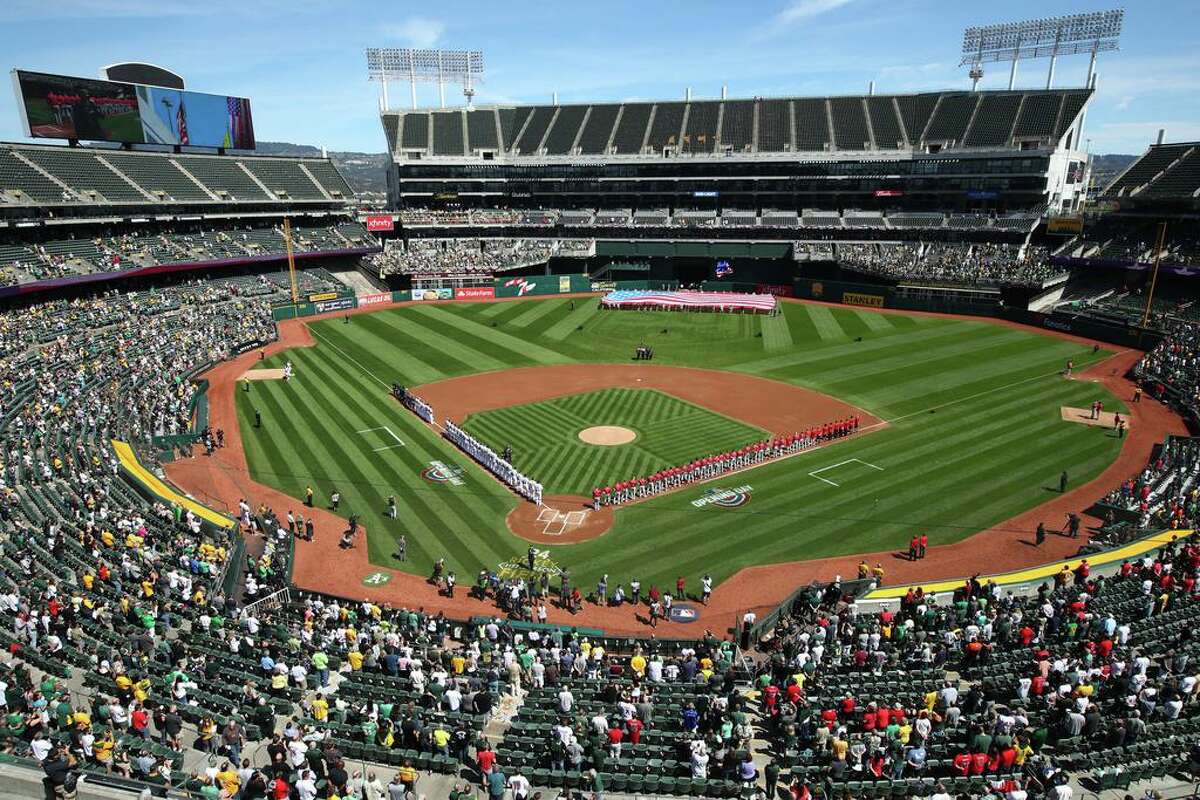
(391, 130)
(157, 173)
(994, 120)
(737, 124)
(1145, 168)
(80, 170)
(700, 135)
(511, 122)
(812, 124)
(849, 123)
(224, 175)
(16, 174)
(531, 137)
(774, 125)
(448, 133)
(631, 130)
(664, 131)
(884, 123)
(597, 129)
(414, 132)
(952, 117)
(566, 126)
(282, 176)
(1038, 115)
(1182, 180)
(915, 110)
(328, 176)
(1072, 104)
(481, 130)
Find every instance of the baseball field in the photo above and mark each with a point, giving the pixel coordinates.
(965, 431)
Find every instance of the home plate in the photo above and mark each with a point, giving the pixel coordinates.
(1084, 416)
(263, 375)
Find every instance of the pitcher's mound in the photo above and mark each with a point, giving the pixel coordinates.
(1084, 417)
(607, 435)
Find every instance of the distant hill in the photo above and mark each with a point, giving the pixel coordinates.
(1107, 167)
(365, 172)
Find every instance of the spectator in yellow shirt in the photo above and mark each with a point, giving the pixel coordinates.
(356, 660)
(320, 708)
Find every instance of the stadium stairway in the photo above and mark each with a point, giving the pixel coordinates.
(357, 281)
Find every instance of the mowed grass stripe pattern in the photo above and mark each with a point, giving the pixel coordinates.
(977, 437)
(546, 444)
(776, 334)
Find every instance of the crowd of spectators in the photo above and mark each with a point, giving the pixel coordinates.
(25, 262)
(1171, 371)
(1166, 494)
(429, 257)
(989, 690)
(978, 264)
(729, 218)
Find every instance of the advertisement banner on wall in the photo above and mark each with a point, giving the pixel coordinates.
(857, 299)
(340, 304)
(316, 298)
(475, 293)
(433, 294)
(779, 290)
(374, 299)
(380, 222)
(564, 284)
(604, 286)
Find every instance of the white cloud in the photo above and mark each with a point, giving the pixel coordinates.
(417, 31)
(799, 10)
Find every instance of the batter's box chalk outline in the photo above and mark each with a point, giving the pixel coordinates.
(816, 473)
(399, 441)
(549, 517)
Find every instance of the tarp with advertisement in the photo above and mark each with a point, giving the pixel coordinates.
(542, 284)
(338, 304)
(445, 293)
(474, 293)
(374, 299)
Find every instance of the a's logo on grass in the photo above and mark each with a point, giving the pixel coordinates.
(725, 498)
(377, 579)
(523, 286)
(684, 612)
(439, 472)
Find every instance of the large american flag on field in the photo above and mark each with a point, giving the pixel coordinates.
(716, 301)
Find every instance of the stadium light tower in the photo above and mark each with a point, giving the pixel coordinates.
(425, 66)
(1050, 37)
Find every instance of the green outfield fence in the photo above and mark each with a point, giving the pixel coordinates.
(871, 295)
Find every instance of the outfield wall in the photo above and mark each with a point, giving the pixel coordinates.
(867, 295)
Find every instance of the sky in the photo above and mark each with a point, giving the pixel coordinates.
(302, 62)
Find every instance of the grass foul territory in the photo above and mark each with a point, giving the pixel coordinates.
(974, 435)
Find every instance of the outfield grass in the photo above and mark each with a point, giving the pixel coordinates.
(975, 434)
(546, 445)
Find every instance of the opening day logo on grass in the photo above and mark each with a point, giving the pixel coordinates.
(439, 472)
(725, 498)
(519, 567)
